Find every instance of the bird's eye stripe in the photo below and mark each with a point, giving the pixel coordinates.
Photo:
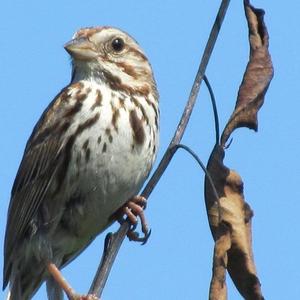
(138, 53)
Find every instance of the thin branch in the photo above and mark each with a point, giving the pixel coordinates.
(215, 110)
(107, 260)
(191, 101)
(117, 238)
(202, 166)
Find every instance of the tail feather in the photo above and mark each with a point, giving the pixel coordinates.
(14, 292)
(24, 285)
(54, 291)
(8, 295)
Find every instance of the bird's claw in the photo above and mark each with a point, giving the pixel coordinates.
(88, 297)
(134, 236)
(134, 209)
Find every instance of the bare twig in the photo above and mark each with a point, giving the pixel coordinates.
(202, 166)
(215, 110)
(107, 260)
(116, 239)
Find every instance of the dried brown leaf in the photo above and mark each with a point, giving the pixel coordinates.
(257, 76)
(218, 288)
(232, 210)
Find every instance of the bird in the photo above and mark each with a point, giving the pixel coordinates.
(86, 159)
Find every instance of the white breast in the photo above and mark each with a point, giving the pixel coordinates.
(108, 165)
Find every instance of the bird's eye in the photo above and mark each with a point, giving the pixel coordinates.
(117, 44)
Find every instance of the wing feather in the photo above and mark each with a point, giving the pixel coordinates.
(38, 167)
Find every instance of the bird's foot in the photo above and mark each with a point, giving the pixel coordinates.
(134, 210)
(81, 297)
(61, 281)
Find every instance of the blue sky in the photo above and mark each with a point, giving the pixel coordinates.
(176, 262)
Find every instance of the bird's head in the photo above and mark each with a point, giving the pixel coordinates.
(109, 55)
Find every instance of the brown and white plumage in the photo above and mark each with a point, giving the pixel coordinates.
(91, 151)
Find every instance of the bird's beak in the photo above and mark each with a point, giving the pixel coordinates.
(81, 48)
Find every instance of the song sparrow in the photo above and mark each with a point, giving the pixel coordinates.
(89, 153)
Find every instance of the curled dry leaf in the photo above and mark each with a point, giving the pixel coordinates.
(257, 77)
(218, 289)
(229, 215)
(233, 248)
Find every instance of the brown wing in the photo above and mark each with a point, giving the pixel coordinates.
(40, 163)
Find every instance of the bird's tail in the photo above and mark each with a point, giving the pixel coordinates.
(8, 296)
(54, 291)
(24, 285)
(14, 292)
